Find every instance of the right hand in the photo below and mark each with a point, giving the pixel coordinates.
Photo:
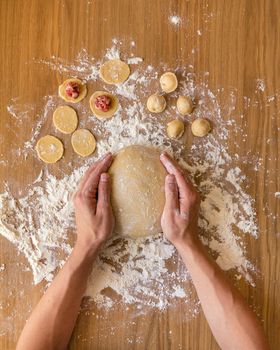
(180, 214)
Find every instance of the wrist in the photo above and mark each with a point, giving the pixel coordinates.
(88, 249)
(189, 242)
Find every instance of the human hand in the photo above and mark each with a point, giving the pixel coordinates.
(93, 210)
(180, 214)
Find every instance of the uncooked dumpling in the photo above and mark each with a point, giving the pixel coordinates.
(138, 198)
(103, 104)
(72, 90)
(168, 82)
(200, 127)
(175, 129)
(156, 103)
(184, 105)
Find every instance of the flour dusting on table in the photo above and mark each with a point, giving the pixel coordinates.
(146, 272)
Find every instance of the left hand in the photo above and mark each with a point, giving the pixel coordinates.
(93, 210)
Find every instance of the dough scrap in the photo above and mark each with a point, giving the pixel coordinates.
(184, 105)
(114, 71)
(156, 103)
(65, 119)
(97, 112)
(168, 82)
(83, 142)
(175, 129)
(200, 127)
(49, 149)
(65, 97)
(137, 180)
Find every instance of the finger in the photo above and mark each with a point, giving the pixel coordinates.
(171, 193)
(104, 191)
(90, 170)
(185, 187)
(91, 186)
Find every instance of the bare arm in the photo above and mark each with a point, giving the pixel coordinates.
(52, 322)
(232, 322)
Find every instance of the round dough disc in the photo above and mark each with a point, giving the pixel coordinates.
(114, 71)
(97, 112)
(137, 179)
(65, 119)
(65, 97)
(83, 142)
(49, 149)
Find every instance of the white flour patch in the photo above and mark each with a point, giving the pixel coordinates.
(277, 194)
(175, 20)
(145, 272)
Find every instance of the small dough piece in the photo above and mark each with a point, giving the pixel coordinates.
(156, 103)
(184, 105)
(97, 112)
(200, 127)
(83, 142)
(65, 119)
(49, 149)
(175, 129)
(168, 82)
(114, 71)
(82, 90)
(137, 180)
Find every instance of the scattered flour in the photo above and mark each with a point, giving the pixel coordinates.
(175, 20)
(146, 272)
(277, 194)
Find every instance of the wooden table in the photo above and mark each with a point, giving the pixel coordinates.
(239, 43)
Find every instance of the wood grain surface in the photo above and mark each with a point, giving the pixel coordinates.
(239, 43)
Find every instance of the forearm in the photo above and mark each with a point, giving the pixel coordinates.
(232, 322)
(52, 322)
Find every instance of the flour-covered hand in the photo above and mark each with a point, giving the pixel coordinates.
(93, 210)
(180, 214)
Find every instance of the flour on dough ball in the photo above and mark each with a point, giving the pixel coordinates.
(156, 103)
(184, 105)
(175, 129)
(137, 180)
(200, 127)
(168, 82)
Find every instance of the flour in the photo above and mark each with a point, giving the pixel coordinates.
(146, 272)
(175, 20)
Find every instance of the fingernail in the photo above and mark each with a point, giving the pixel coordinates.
(104, 177)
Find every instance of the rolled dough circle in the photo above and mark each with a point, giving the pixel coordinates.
(97, 112)
(83, 142)
(65, 119)
(49, 149)
(114, 71)
(137, 178)
(65, 97)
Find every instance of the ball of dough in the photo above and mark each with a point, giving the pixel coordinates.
(137, 179)
(168, 82)
(184, 105)
(49, 149)
(62, 90)
(65, 119)
(114, 71)
(97, 112)
(156, 103)
(83, 142)
(200, 127)
(175, 129)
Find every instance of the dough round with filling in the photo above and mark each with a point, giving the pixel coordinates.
(82, 92)
(184, 105)
(156, 103)
(49, 149)
(168, 82)
(65, 119)
(200, 127)
(83, 142)
(97, 112)
(175, 129)
(114, 71)
(137, 180)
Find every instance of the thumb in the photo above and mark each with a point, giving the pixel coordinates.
(171, 193)
(104, 191)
